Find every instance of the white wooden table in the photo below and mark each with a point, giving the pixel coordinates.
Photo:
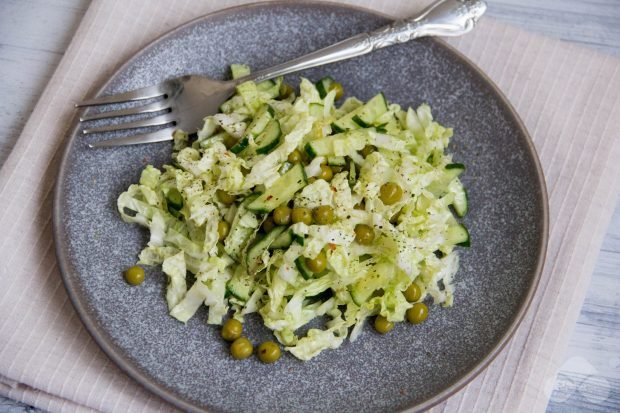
(35, 33)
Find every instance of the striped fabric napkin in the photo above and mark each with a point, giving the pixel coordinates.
(567, 96)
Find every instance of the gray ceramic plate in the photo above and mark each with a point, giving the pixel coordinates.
(412, 366)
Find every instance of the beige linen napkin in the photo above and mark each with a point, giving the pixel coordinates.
(567, 96)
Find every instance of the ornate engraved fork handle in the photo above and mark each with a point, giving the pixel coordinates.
(443, 18)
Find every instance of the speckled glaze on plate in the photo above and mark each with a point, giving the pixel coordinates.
(412, 367)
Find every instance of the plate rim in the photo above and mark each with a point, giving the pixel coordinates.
(125, 364)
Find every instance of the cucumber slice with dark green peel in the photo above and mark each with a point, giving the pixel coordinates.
(303, 269)
(362, 117)
(320, 147)
(323, 86)
(460, 203)
(457, 167)
(240, 285)
(458, 235)
(369, 113)
(282, 190)
(439, 187)
(381, 128)
(363, 289)
(269, 138)
(241, 145)
(346, 122)
(239, 71)
(300, 239)
(336, 161)
(284, 240)
(316, 110)
(255, 128)
(272, 87)
(255, 252)
(352, 175)
(265, 85)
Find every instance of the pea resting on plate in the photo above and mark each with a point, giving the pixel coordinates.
(134, 275)
(268, 352)
(290, 205)
(241, 348)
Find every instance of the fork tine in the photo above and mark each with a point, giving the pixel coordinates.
(138, 94)
(158, 136)
(154, 121)
(152, 107)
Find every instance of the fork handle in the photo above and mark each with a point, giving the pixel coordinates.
(442, 18)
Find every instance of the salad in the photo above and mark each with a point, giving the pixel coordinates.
(293, 207)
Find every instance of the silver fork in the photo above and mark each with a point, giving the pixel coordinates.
(186, 100)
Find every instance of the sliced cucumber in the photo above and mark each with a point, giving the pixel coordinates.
(271, 87)
(439, 187)
(362, 117)
(284, 240)
(265, 85)
(240, 285)
(323, 86)
(241, 145)
(320, 147)
(300, 239)
(256, 127)
(352, 175)
(249, 92)
(328, 145)
(460, 202)
(281, 191)
(255, 252)
(269, 138)
(372, 110)
(174, 199)
(239, 71)
(316, 110)
(346, 122)
(336, 161)
(303, 269)
(457, 168)
(377, 278)
(458, 235)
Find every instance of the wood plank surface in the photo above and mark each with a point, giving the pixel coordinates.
(35, 33)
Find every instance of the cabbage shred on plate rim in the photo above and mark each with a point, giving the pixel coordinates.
(414, 237)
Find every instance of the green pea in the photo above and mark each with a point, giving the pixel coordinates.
(323, 215)
(134, 275)
(318, 263)
(241, 348)
(224, 197)
(301, 215)
(364, 234)
(282, 215)
(268, 352)
(231, 330)
(390, 193)
(223, 228)
(382, 325)
(294, 157)
(326, 173)
(418, 313)
(413, 293)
